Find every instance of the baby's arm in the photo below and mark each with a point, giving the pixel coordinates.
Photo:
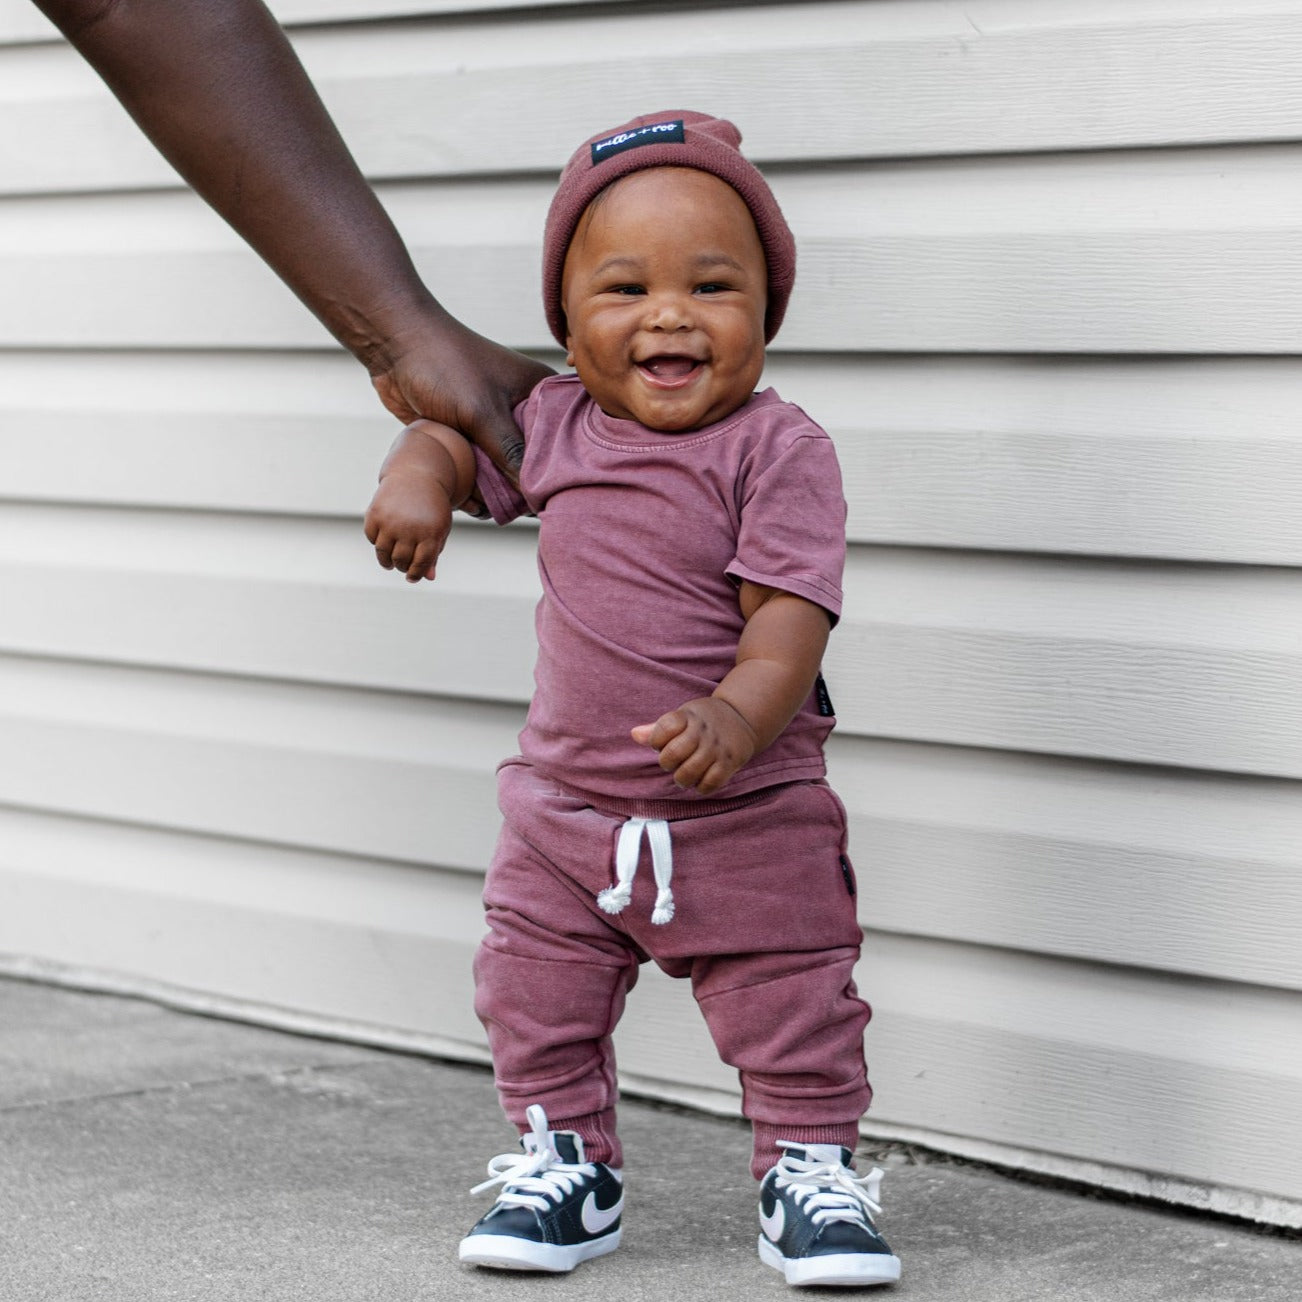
(704, 742)
(428, 474)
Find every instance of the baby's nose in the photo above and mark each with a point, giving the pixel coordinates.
(669, 312)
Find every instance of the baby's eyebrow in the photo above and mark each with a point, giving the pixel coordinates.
(618, 260)
(717, 260)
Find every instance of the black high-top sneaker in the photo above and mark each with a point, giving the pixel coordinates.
(816, 1220)
(555, 1209)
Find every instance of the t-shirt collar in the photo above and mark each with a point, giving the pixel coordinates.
(631, 433)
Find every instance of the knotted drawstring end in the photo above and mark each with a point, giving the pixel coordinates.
(664, 909)
(614, 899)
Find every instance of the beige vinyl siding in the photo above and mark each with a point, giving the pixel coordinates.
(1170, 252)
(1165, 664)
(19, 22)
(1049, 307)
(873, 79)
(1174, 458)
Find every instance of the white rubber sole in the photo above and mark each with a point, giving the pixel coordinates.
(850, 1269)
(506, 1252)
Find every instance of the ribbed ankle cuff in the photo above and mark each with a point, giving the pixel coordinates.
(766, 1135)
(597, 1130)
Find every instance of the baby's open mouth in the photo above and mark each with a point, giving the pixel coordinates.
(669, 368)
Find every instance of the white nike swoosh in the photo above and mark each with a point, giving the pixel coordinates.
(595, 1219)
(775, 1223)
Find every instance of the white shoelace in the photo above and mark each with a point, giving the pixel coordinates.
(533, 1179)
(628, 849)
(830, 1191)
(537, 1176)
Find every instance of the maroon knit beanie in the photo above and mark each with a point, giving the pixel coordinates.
(674, 138)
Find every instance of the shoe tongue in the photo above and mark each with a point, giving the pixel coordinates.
(830, 1153)
(567, 1146)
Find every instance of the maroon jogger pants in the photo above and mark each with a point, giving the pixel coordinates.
(764, 927)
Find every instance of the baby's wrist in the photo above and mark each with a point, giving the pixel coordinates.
(433, 471)
(737, 712)
(422, 481)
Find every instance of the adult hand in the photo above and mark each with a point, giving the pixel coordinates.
(450, 374)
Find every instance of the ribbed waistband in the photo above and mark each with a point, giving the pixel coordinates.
(672, 811)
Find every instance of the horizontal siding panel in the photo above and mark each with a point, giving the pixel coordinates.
(854, 81)
(20, 21)
(1176, 458)
(292, 12)
(1187, 459)
(1170, 252)
(61, 129)
(295, 599)
(158, 260)
(284, 432)
(297, 433)
(377, 774)
(1000, 850)
(341, 937)
(346, 771)
(1184, 1078)
(1168, 869)
(1181, 665)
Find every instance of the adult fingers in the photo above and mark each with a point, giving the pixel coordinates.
(499, 436)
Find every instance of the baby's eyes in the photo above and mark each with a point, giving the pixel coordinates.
(634, 290)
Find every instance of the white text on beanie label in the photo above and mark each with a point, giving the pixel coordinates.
(654, 134)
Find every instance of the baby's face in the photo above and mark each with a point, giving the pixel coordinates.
(664, 289)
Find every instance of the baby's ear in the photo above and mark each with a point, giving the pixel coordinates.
(569, 350)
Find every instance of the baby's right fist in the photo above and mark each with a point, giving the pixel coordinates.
(408, 523)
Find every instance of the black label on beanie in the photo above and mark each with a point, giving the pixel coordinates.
(653, 134)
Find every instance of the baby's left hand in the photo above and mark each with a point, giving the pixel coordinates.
(702, 743)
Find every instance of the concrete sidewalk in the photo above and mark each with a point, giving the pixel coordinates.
(149, 1154)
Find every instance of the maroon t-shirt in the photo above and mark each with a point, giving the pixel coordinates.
(644, 537)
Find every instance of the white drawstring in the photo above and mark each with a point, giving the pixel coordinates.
(628, 850)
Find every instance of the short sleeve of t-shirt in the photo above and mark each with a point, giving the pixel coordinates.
(792, 534)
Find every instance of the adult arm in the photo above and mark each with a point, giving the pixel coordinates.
(219, 90)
